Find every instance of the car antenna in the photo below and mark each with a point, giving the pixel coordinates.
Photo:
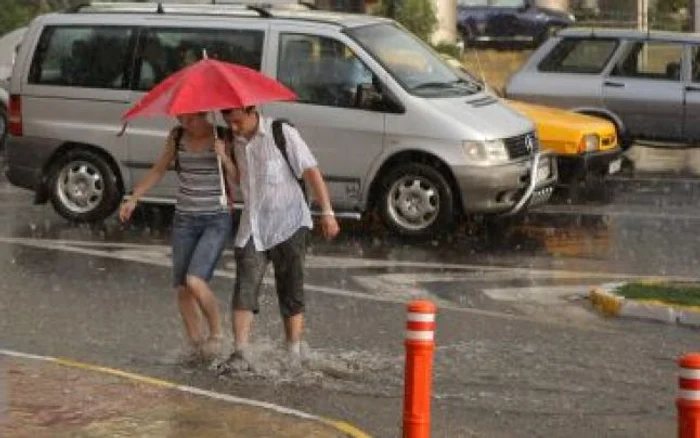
(478, 65)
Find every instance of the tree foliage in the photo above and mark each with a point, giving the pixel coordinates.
(418, 16)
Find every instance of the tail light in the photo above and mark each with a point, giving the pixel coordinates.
(15, 116)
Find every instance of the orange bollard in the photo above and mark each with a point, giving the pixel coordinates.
(688, 401)
(420, 345)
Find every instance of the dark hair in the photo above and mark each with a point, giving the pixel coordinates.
(247, 110)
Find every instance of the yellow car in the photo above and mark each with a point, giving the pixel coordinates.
(585, 146)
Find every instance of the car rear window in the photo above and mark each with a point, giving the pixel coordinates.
(579, 55)
(83, 56)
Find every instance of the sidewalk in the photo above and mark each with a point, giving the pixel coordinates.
(47, 398)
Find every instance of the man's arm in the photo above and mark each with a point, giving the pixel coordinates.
(329, 225)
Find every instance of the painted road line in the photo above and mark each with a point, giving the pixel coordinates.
(344, 293)
(340, 426)
(89, 248)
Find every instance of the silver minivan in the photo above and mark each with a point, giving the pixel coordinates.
(392, 126)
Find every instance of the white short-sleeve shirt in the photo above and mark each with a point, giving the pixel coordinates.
(275, 207)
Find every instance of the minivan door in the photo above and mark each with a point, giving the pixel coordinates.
(325, 72)
(691, 127)
(645, 90)
(162, 51)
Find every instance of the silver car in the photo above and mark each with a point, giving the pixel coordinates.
(9, 45)
(648, 84)
(392, 126)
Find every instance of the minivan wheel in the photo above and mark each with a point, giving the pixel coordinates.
(3, 126)
(416, 200)
(83, 187)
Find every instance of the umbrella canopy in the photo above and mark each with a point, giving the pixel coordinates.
(209, 85)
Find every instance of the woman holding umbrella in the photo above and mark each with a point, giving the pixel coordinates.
(201, 225)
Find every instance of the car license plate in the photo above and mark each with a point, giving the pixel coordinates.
(615, 166)
(543, 170)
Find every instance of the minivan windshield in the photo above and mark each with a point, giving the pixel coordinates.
(412, 63)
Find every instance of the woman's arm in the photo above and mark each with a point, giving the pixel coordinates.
(153, 177)
(224, 150)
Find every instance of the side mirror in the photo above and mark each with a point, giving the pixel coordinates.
(367, 97)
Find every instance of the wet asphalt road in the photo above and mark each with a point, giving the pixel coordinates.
(520, 353)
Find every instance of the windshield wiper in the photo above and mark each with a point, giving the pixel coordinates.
(457, 83)
(434, 85)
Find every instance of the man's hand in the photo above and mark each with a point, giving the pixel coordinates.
(329, 226)
(126, 209)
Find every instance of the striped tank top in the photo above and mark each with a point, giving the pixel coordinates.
(200, 184)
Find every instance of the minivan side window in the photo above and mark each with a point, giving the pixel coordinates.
(83, 56)
(651, 60)
(321, 70)
(695, 70)
(162, 52)
(579, 55)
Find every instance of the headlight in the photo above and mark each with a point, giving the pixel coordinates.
(572, 17)
(589, 143)
(485, 152)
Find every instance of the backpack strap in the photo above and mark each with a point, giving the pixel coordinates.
(281, 142)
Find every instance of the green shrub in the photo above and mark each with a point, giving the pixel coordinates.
(418, 16)
(448, 49)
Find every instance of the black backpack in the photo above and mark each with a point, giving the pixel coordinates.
(281, 142)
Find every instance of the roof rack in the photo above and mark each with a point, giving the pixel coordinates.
(216, 7)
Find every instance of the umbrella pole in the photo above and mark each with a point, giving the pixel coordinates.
(222, 199)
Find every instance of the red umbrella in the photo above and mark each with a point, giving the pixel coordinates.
(209, 85)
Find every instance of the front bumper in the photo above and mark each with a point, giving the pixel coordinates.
(508, 188)
(573, 167)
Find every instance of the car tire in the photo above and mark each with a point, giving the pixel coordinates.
(416, 200)
(83, 187)
(3, 126)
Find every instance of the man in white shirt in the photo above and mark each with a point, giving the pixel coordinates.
(274, 223)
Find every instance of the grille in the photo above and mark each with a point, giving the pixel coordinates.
(518, 146)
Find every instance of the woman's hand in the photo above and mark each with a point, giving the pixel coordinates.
(127, 209)
(222, 150)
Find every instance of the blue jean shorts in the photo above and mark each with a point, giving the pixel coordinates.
(198, 241)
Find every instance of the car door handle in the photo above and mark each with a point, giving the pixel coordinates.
(692, 88)
(614, 84)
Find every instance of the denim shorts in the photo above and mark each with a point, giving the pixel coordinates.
(198, 241)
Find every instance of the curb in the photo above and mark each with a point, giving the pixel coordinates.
(606, 301)
(340, 426)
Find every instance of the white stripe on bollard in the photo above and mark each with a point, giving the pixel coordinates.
(413, 335)
(686, 394)
(420, 317)
(689, 373)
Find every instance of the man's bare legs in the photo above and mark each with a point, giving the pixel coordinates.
(293, 328)
(242, 320)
